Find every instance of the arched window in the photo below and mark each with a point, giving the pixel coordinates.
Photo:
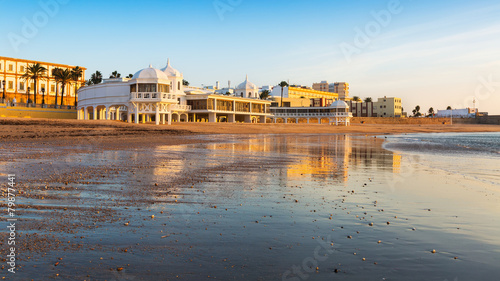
(241, 94)
(249, 94)
(179, 85)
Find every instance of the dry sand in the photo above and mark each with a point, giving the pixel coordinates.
(17, 128)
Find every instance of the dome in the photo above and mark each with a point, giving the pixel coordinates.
(246, 85)
(150, 73)
(170, 71)
(339, 104)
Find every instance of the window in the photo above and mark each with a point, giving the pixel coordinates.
(11, 67)
(11, 85)
(52, 88)
(21, 86)
(22, 68)
(178, 85)
(0, 66)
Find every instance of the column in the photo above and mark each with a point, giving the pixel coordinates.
(136, 114)
(85, 113)
(170, 118)
(307, 120)
(107, 113)
(117, 114)
(194, 117)
(143, 118)
(129, 117)
(95, 113)
(212, 117)
(157, 116)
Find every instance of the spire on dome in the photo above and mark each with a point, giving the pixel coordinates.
(246, 78)
(168, 61)
(150, 66)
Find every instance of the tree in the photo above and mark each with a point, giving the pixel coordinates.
(56, 76)
(356, 98)
(416, 111)
(448, 108)
(115, 74)
(431, 111)
(64, 77)
(264, 95)
(130, 75)
(76, 73)
(282, 84)
(96, 77)
(368, 99)
(35, 72)
(185, 82)
(89, 82)
(227, 93)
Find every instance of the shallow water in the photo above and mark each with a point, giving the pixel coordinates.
(263, 208)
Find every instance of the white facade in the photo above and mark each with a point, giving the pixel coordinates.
(457, 113)
(160, 96)
(150, 94)
(247, 89)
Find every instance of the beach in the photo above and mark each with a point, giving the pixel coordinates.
(116, 201)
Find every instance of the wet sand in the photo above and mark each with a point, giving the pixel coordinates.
(243, 207)
(49, 129)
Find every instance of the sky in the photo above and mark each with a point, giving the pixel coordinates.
(428, 53)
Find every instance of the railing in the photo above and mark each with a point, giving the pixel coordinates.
(180, 107)
(152, 96)
(315, 114)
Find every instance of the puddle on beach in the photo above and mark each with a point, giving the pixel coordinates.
(309, 207)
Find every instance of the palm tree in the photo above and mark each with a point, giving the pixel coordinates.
(89, 82)
(448, 108)
(55, 74)
(185, 82)
(76, 73)
(35, 72)
(96, 77)
(282, 84)
(368, 99)
(356, 98)
(64, 76)
(264, 95)
(115, 74)
(130, 75)
(431, 111)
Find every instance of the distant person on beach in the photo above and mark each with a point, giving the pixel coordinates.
(14, 102)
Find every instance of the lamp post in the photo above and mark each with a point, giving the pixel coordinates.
(3, 83)
(43, 97)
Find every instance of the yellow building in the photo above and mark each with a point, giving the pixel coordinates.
(388, 107)
(12, 70)
(295, 96)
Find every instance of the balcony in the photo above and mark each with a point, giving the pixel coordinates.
(153, 97)
(180, 107)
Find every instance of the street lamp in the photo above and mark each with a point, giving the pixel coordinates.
(3, 83)
(43, 96)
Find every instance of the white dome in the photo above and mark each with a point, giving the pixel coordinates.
(247, 85)
(339, 104)
(150, 73)
(170, 71)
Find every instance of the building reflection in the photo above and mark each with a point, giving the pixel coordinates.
(319, 157)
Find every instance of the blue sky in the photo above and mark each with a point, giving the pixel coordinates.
(430, 53)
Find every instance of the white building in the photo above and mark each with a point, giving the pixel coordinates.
(247, 89)
(160, 96)
(337, 113)
(457, 113)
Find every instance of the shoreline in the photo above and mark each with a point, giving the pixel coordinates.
(50, 129)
